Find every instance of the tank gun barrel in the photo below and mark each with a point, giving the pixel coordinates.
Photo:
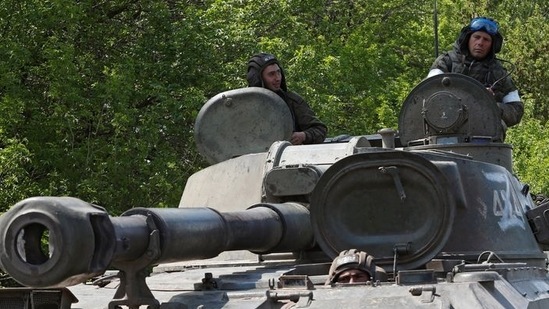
(62, 241)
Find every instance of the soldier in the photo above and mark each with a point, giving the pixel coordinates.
(265, 71)
(353, 266)
(474, 54)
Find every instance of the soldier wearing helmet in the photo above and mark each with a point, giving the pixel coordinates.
(474, 54)
(354, 266)
(265, 71)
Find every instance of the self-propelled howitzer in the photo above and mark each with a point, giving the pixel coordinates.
(437, 206)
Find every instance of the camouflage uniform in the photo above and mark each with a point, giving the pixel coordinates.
(303, 116)
(487, 71)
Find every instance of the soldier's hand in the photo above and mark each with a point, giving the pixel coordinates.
(297, 138)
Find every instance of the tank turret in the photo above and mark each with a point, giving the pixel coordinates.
(435, 204)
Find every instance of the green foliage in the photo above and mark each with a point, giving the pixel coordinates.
(526, 46)
(98, 99)
(531, 154)
(15, 172)
(101, 102)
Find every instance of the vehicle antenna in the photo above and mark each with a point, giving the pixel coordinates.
(435, 20)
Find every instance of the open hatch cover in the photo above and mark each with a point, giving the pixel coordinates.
(241, 121)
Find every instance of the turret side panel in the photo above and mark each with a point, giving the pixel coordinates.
(231, 185)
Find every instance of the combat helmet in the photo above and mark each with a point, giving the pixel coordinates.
(257, 64)
(485, 24)
(355, 259)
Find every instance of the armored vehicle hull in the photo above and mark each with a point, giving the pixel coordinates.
(443, 219)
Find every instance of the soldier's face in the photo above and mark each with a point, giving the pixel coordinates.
(272, 77)
(353, 276)
(480, 44)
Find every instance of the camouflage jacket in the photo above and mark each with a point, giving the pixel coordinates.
(489, 72)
